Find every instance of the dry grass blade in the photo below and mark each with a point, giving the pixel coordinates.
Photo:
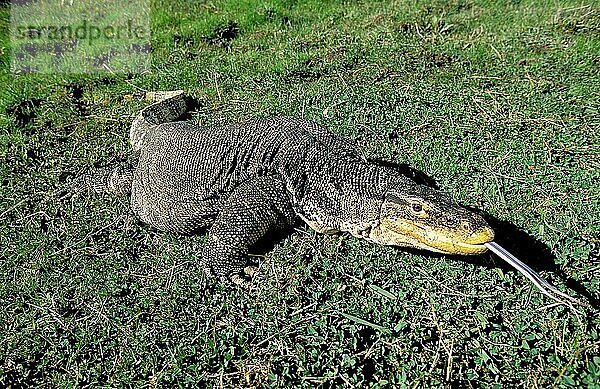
(365, 322)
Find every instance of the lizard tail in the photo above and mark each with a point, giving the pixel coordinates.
(167, 107)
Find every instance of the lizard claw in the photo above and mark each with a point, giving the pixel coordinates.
(250, 271)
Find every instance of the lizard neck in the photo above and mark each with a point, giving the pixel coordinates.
(342, 195)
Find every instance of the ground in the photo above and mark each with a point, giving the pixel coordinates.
(496, 101)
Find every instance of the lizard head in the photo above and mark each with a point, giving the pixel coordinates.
(422, 217)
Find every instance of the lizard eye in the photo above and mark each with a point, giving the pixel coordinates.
(417, 208)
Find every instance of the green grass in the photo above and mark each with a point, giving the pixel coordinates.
(496, 101)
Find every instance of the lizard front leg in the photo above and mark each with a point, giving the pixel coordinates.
(115, 178)
(253, 209)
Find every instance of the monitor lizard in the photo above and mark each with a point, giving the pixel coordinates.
(245, 180)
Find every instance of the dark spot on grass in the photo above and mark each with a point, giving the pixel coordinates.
(539, 47)
(183, 41)
(101, 60)
(301, 75)
(287, 368)
(274, 16)
(525, 61)
(223, 35)
(99, 239)
(59, 49)
(108, 80)
(366, 336)
(144, 317)
(30, 48)
(145, 48)
(188, 45)
(25, 111)
(551, 88)
(65, 176)
(67, 309)
(425, 28)
(23, 373)
(406, 28)
(438, 60)
(313, 69)
(123, 292)
(192, 359)
(33, 155)
(307, 71)
(75, 93)
(43, 223)
(304, 46)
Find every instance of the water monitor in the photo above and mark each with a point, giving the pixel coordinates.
(245, 180)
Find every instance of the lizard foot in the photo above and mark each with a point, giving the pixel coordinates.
(241, 281)
(72, 186)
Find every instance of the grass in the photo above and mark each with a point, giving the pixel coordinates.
(497, 101)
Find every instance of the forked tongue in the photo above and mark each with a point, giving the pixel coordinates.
(544, 286)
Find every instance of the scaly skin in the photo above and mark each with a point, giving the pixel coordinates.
(246, 180)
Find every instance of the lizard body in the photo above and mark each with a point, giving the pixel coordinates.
(245, 180)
